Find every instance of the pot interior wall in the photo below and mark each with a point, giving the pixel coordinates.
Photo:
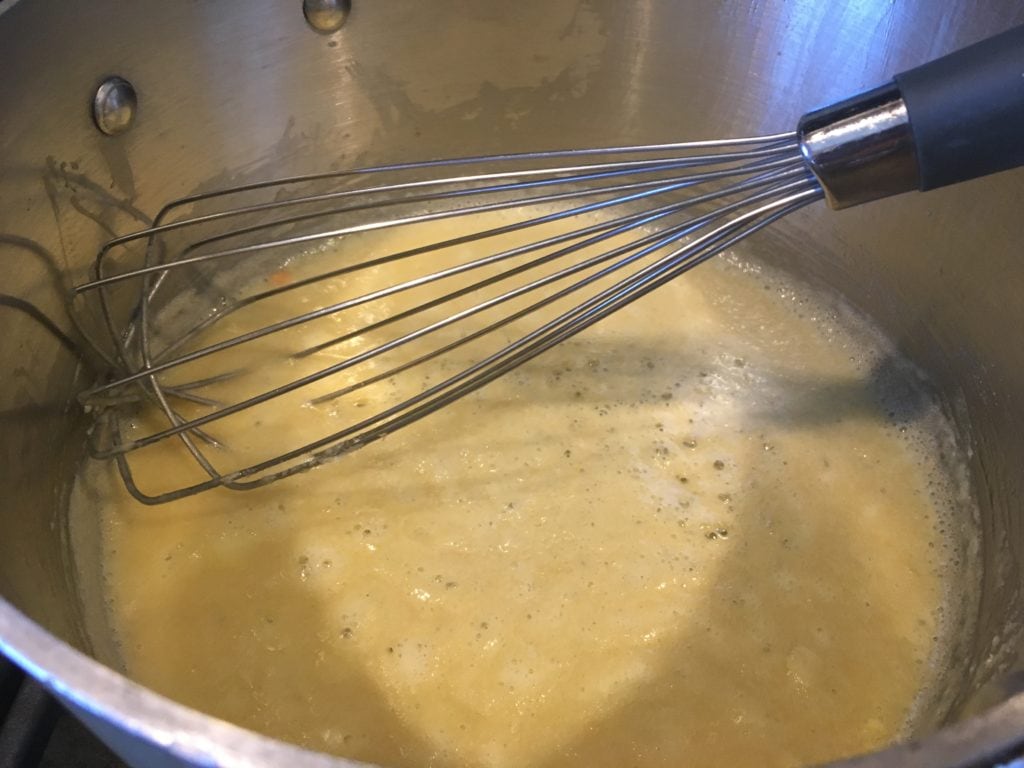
(233, 91)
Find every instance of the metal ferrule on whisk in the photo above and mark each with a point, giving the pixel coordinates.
(862, 148)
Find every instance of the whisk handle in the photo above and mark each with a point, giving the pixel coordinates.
(966, 110)
(956, 118)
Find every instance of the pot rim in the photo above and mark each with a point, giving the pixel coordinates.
(99, 691)
(991, 738)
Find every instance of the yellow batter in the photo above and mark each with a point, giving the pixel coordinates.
(691, 536)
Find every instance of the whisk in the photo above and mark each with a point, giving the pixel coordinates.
(547, 243)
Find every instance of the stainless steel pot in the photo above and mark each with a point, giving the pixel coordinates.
(241, 89)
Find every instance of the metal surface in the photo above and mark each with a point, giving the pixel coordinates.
(238, 91)
(666, 209)
(114, 106)
(861, 149)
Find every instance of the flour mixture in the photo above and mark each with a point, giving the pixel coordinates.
(714, 529)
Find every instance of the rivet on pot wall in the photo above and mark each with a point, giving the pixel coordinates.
(326, 16)
(114, 106)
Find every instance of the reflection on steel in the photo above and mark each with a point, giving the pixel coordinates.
(326, 16)
(114, 106)
(861, 149)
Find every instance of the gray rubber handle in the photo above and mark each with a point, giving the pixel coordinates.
(966, 110)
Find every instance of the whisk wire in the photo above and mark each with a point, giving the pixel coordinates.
(459, 385)
(632, 222)
(661, 186)
(734, 188)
